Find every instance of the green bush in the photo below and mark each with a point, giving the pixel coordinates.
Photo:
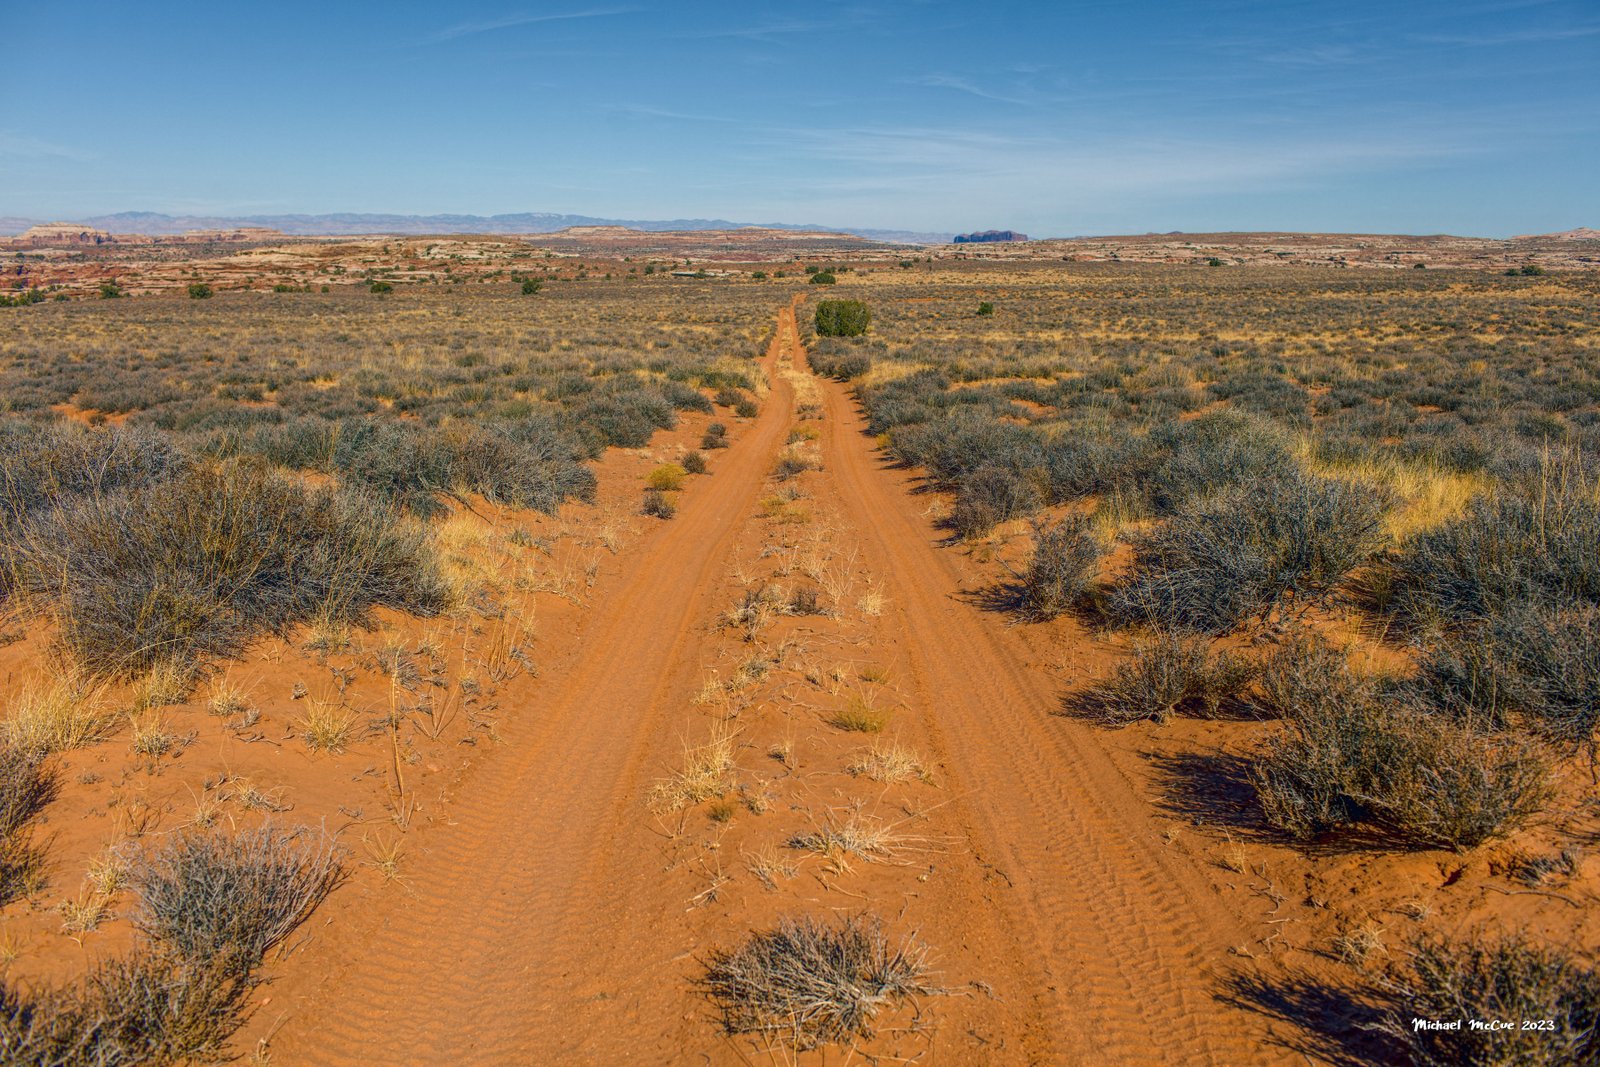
(842, 318)
(381, 287)
(531, 286)
(199, 291)
(986, 308)
(823, 277)
(110, 290)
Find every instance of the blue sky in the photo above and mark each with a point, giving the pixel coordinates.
(1053, 118)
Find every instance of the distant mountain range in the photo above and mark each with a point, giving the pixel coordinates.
(149, 222)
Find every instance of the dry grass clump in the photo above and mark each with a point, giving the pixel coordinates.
(860, 714)
(214, 905)
(1510, 979)
(27, 784)
(658, 504)
(841, 837)
(56, 716)
(150, 736)
(326, 727)
(793, 463)
(706, 774)
(807, 983)
(147, 1008)
(889, 763)
(756, 609)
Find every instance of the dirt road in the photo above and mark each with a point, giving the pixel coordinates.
(527, 931)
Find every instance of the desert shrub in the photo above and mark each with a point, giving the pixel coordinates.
(746, 408)
(666, 477)
(1066, 555)
(215, 898)
(27, 784)
(381, 287)
(145, 1009)
(658, 504)
(1224, 558)
(1306, 671)
(808, 983)
(625, 420)
(1218, 450)
(991, 495)
(531, 286)
(1420, 779)
(201, 565)
(715, 437)
(199, 291)
(823, 277)
(694, 463)
(841, 363)
(43, 465)
(1536, 663)
(1168, 672)
(1086, 461)
(841, 318)
(1529, 542)
(985, 308)
(791, 464)
(1509, 978)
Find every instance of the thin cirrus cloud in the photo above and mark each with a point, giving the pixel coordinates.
(964, 85)
(469, 29)
(1491, 40)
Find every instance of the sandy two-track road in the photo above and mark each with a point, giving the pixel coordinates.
(527, 929)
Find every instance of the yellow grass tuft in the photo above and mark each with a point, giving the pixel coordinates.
(56, 716)
(890, 764)
(706, 774)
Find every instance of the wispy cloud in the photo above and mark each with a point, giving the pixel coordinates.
(964, 85)
(766, 32)
(467, 29)
(21, 146)
(1490, 40)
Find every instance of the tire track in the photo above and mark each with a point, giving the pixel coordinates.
(482, 962)
(1128, 931)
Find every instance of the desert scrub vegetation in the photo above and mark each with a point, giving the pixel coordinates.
(807, 983)
(209, 908)
(199, 564)
(418, 398)
(1500, 978)
(1261, 458)
(841, 318)
(255, 468)
(27, 784)
(1061, 570)
(1168, 672)
(1356, 752)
